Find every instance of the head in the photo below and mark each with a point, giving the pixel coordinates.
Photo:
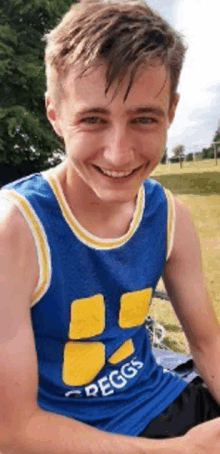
(112, 74)
(124, 35)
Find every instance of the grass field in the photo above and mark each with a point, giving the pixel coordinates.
(197, 185)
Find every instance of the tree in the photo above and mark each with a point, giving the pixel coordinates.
(164, 157)
(27, 140)
(178, 152)
(214, 150)
(207, 153)
(216, 142)
(217, 133)
(189, 157)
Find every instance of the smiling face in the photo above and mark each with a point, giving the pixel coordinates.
(112, 145)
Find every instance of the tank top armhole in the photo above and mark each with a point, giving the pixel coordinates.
(171, 221)
(40, 241)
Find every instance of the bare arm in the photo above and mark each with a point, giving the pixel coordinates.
(185, 285)
(205, 438)
(24, 427)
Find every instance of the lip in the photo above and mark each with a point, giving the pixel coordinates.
(118, 179)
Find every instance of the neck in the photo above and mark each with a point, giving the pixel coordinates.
(102, 219)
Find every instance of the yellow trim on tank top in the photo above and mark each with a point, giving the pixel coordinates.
(40, 240)
(170, 221)
(86, 237)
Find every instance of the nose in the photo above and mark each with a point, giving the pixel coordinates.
(119, 150)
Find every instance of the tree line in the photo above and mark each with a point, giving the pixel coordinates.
(179, 155)
(27, 142)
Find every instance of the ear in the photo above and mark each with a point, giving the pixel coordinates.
(173, 105)
(52, 115)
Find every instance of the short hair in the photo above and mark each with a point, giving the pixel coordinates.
(123, 34)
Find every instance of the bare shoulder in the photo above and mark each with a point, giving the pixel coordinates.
(18, 261)
(184, 264)
(11, 220)
(186, 241)
(18, 275)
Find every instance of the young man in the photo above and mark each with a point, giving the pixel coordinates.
(83, 246)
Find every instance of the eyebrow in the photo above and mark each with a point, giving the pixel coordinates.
(147, 109)
(135, 110)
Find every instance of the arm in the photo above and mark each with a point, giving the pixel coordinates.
(184, 281)
(24, 427)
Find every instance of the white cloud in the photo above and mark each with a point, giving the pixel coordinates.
(199, 106)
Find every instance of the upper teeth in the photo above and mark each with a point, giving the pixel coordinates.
(116, 174)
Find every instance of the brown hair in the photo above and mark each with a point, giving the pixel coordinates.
(123, 34)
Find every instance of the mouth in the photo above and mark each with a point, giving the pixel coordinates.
(116, 173)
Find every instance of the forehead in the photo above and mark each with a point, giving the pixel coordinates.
(150, 85)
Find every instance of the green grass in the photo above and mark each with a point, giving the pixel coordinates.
(200, 166)
(197, 185)
(192, 183)
(198, 178)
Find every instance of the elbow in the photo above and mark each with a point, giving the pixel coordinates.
(207, 346)
(204, 340)
(12, 434)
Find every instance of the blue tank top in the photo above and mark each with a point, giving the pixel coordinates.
(89, 308)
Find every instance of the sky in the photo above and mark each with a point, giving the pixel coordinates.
(198, 111)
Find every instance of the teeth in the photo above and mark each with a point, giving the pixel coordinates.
(116, 174)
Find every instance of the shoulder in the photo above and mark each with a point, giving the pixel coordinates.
(185, 230)
(156, 192)
(18, 275)
(152, 186)
(160, 203)
(18, 254)
(12, 223)
(33, 198)
(186, 245)
(31, 188)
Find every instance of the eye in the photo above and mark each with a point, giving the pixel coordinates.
(144, 120)
(92, 120)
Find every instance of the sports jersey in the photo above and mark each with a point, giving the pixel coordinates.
(90, 304)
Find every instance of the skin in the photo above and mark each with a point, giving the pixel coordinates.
(120, 140)
(104, 132)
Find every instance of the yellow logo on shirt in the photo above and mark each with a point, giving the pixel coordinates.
(83, 359)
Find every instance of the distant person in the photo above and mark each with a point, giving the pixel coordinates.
(83, 246)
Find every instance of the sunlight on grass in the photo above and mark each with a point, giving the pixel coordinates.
(205, 165)
(197, 185)
(191, 183)
(164, 314)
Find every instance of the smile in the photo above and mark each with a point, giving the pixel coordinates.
(117, 173)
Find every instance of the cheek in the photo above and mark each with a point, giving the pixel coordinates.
(153, 145)
(81, 146)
